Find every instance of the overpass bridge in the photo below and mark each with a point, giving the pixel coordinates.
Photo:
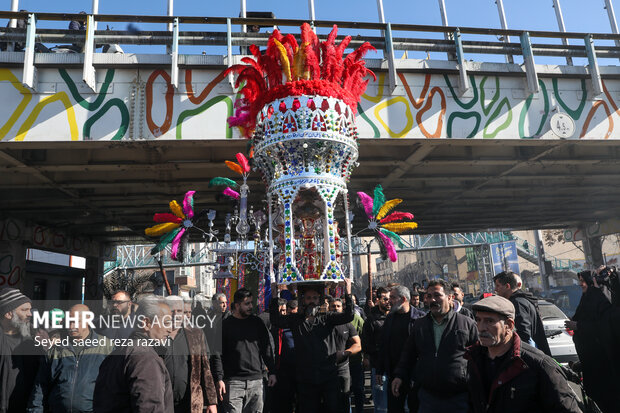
(93, 143)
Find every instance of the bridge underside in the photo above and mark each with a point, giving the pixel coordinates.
(109, 190)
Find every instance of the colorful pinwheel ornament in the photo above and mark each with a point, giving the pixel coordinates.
(385, 222)
(242, 168)
(173, 228)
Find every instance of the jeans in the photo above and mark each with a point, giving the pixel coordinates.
(379, 393)
(434, 404)
(243, 396)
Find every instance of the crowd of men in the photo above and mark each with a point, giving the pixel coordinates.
(307, 354)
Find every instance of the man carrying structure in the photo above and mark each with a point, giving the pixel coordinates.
(315, 354)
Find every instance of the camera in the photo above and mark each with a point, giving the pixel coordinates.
(606, 276)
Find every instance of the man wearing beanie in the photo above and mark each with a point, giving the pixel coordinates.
(507, 375)
(19, 358)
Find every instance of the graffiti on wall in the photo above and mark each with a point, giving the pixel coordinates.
(12, 264)
(37, 236)
(74, 113)
(143, 104)
(491, 109)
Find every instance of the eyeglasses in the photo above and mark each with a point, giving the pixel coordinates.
(384, 299)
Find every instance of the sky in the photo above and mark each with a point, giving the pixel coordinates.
(579, 15)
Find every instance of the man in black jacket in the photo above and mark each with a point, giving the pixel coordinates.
(246, 347)
(396, 329)
(19, 355)
(457, 303)
(316, 355)
(433, 355)
(371, 340)
(528, 323)
(509, 376)
(133, 378)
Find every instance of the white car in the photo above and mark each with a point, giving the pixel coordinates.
(559, 337)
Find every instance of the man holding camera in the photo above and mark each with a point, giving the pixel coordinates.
(593, 336)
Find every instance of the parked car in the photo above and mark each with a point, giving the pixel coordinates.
(560, 339)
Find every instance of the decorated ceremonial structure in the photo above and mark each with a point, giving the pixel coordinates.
(297, 107)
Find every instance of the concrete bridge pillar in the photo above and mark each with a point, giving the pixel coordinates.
(593, 249)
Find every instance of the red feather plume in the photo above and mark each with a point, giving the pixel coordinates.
(397, 216)
(243, 161)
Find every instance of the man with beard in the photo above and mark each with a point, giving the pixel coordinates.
(122, 321)
(315, 354)
(348, 346)
(371, 340)
(66, 380)
(528, 323)
(133, 378)
(19, 357)
(433, 355)
(396, 329)
(246, 348)
(187, 363)
(509, 376)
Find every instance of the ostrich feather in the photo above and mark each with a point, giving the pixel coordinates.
(188, 204)
(243, 162)
(389, 246)
(231, 193)
(366, 201)
(397, 216)
(166, 217)
(235, 167)
(176, 209)
(253, 63)
(165, 240)
(220, 181)
(387, 207)
(284, 60)
(378, 200)
(160, 229)
(394, 237)
(399, 227)
(310, 44)
(174, 251)
(299, 70)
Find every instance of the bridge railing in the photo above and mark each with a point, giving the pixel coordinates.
(419, 38)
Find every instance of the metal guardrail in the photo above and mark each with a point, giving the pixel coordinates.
(139, 257)
(457, 47)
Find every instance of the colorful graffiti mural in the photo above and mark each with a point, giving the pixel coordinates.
(143, 104)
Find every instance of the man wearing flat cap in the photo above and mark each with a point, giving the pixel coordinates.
(507, 375)
(19, 358)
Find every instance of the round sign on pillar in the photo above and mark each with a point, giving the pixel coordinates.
(562, 125)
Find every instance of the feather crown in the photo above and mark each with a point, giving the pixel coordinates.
(314, 67)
